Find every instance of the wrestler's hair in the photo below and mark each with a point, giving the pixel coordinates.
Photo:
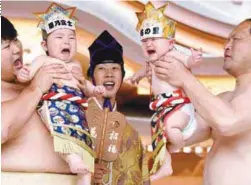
(8, 31)
(44, 37)
(249, 21)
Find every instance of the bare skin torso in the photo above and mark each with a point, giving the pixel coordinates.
(160, 86)
(31, 150)
(229, 160)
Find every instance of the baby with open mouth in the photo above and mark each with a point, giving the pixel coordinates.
(62, 108)
(173, 120)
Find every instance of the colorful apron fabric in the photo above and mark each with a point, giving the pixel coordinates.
(67, 121)
(163, 105)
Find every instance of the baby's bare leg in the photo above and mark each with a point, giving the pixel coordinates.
(174, 125)
(84, 179)
(76, 163)
(165, 170)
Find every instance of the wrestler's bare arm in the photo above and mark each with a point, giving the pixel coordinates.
(12, 119)
(226, 118)
(42, 81)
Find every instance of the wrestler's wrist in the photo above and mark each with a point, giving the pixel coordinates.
(188, 80)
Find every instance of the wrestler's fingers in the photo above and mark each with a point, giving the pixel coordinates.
(26, 68)
(81, 79)
(77, 76)
(77, 72)
(55, 68)
(162, 77)
(161, 67)
(160, 63)
(76, 69)
(60, 76)
(160, 71)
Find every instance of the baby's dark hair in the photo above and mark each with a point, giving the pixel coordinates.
(8, 31)
(44, 37)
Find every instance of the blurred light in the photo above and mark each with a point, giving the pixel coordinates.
(208, 149)
(177, 151)
(149, 148)
(198, 150)
(187, 149)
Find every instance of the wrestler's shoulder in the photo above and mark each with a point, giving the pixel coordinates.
(10, 91)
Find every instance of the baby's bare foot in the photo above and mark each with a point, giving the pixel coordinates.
(76, 164)
(165, 170)
(84, 179)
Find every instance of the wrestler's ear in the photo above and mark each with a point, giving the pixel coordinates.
(44, 45)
